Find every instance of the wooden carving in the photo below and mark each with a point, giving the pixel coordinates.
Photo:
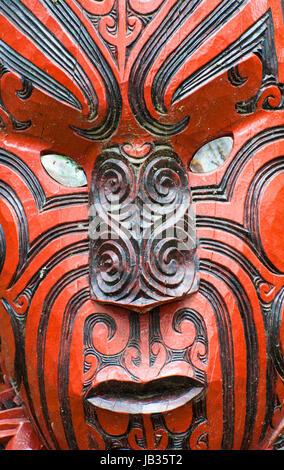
(141, 224)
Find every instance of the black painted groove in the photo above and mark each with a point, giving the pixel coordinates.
(11, 198)
(48, 43)
(42, 241)
(209, 26)
(74, 304)
(69, 20)
(248, 42)
(252, 357)
(225, 190)
(74, 249)
(51, 297)
(20, 363)
(2, 248)
(42, 80)
(15, 163)
(222, 315)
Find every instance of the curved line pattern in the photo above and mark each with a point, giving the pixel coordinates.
(15, 163)
(69, 20)
(209, 26)
(188, 314)
(29, 250)
(42, 80)
(142, 229)
(274, 321)
(65, 200)
(74, 304)
(223, 321)
(175, 18)
(2, 248)
(115, 359)
(248, 43)
(20, 363)
(12, 199)
(256, 278)
(251, 213)
(227, 225)
(250, 332)
(74, 249)
(49, 301)
(225, 190)
(228, 251)
(39, 243)
(275, 362)
(48, 43)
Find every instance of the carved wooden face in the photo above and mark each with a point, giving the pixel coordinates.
(141, 220)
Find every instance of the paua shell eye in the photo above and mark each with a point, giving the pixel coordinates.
(64, 170)
(213, 154)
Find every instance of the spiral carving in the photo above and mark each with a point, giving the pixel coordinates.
(141, 228)
(166, 266)
(113, 186)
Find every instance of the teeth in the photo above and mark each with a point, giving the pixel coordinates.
(133, 405)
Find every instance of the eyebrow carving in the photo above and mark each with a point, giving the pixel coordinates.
(249, 42)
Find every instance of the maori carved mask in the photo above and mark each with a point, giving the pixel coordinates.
(141, 221)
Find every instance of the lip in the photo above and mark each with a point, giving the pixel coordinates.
(157, 396)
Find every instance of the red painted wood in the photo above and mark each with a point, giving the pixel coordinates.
(130, 91)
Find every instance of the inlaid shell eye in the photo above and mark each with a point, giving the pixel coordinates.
(64, 170)
(213, 154)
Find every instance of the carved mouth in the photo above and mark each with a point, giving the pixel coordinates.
(157, 396)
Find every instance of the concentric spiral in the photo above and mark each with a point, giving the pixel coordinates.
(164, 185)
(114, 267)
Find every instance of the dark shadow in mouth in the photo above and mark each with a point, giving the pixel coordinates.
(156, 396)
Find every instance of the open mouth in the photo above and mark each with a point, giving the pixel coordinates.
(157, 396)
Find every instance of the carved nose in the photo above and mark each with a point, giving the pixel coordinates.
(142, 229)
